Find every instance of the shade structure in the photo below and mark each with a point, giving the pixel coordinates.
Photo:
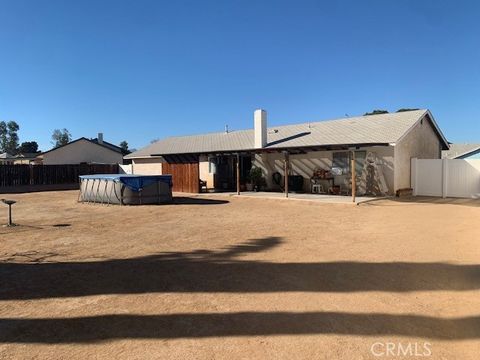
(124, 189)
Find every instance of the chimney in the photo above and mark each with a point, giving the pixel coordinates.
(100, 138)
(260, 126)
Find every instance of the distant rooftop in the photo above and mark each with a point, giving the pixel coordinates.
(459, 151)
(6, 155)
(94, 141)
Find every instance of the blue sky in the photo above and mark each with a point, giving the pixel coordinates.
(139, 70)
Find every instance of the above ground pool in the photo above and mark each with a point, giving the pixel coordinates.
(126, 189)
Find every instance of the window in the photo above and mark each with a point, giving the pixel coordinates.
(359, 162)
(340, 165)
(341, 162)
(212, 168)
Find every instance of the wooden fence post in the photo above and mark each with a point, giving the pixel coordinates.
(30, 180)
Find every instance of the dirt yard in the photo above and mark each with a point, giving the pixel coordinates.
(227, 277)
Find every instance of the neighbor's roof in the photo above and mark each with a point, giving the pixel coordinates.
(459, 151)
(109, 145)
(93, 141)
(6, 155)
(27, 155)
(371, 129)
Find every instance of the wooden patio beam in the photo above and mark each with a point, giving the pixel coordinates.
(354, 180)
(238, 174)
(286, 161)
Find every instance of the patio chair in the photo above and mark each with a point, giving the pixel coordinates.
(316, 186)
(203, 185)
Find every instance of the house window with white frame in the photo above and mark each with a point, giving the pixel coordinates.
(341, 163)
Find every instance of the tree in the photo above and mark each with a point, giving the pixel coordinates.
(28, 147)
(12, 143)
(61, 137)
(406, 109)
(376, 112)
(9, 137)
(124, 147)
(3, 136)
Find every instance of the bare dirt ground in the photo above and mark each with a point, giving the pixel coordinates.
(226, 277)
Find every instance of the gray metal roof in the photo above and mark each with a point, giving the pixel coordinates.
(371, 129)
(458, 151)
(6, 155)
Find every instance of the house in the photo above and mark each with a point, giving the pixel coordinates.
(18, 159)
(6, 159)
(462, 151)
(26, 158)
(84, 150)
(383, 146)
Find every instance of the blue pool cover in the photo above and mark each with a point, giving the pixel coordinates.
(132, 181)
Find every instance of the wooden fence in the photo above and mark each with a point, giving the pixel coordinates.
(185, 177)
(20, 175)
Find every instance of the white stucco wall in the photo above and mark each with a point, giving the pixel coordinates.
(82, 151)
(421, 142)
(305, 164)
(125, 169)
(204, 173)
(147, 166)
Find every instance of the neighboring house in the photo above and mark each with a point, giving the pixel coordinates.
(392, 139)
(19, 159)
(26, 158)
(6, 159)
(84, 150)
(462, 151)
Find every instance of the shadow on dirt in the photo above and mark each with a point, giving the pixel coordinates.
(171, 326)
(181, 200)
(210, 271)
(206, 271)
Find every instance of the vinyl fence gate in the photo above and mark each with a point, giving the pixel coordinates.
(446, 178)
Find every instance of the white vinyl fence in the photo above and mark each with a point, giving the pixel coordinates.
(125, 169)
(446, 178)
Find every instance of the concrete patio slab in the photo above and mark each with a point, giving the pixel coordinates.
(330, 199)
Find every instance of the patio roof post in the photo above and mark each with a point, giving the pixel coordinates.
(354, 180)
(238, 174)
(285, 153)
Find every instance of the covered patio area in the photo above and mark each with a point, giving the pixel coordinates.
(334, 174)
